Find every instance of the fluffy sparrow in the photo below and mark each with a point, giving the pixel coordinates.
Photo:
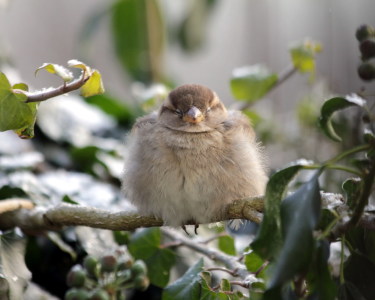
(191, 158)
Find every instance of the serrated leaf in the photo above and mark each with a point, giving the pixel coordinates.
(145, 245)
(186, 287)
(299, 216)
(93, 86)
(303, 55)
(12, 263)
(58, 70)
(329, 107)
(15, 114)
(268, 240)
(139, 52)
(252, 83)
(226, 244)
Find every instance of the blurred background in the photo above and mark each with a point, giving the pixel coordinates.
(172, 42)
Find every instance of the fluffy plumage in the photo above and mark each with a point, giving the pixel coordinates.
(189, 159)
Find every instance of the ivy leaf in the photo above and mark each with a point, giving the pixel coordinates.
(252, 83)
(303, 55)
(226, 244)
(93, 86)
(186, 287)
(13, 269)
(268, 240)
(58, 70)
(15, 114)
(320, 282)
(145, 245)
(332, 105)
(159, 266)
(299, 216)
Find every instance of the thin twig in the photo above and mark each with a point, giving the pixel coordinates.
(50, 93)
(283, 76)
(229, 261)
(231, 272)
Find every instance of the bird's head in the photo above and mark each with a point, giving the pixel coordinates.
(192, 108)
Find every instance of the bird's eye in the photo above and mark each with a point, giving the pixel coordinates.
(178, 112)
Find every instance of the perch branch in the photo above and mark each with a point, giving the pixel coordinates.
(53, 92)
(53, 218)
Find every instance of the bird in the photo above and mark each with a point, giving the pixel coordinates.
(190, 158)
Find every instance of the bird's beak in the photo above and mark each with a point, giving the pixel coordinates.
(194, 115)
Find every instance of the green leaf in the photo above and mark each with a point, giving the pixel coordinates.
(252, 83)
(209, 294)
(15, 114)
(320, 282)
(121, 237)
(186, 287)
(159, 266)
(360, 272)
(332, 105)
(303, 55)
(67, 199)
(139, 33)
(74, 63)
(253, 262)
(93, 86)
(123, 113)
(225, 285)
(226, 244)
(58, 70)
(13, 269)
(299, 216)
(352, 188)
(268, 240)
(145, 245)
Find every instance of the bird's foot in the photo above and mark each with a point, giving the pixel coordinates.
(196, 226)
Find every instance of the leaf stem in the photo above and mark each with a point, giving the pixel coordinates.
(346, 153)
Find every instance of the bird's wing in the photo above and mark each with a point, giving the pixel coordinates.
(145, 122)
(238, 122)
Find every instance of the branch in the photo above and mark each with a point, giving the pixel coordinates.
(230, 262)
(50, 93)
(54, 218)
